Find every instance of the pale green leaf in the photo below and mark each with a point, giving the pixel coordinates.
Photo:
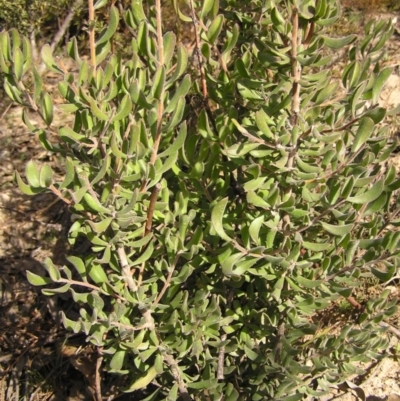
(217, 215)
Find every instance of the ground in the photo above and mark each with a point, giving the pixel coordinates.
(37, 356)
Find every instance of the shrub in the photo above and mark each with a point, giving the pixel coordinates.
(226, 202)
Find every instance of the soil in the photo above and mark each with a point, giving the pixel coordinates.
(38, 358)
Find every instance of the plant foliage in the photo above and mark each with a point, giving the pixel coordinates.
(227, 200)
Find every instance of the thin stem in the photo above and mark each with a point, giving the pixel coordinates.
(171, 362)
(91, 36)
(97, 384)
(126, 270)
(150, 211)
(160, 109)
(149, 224)
(167, 281)
(296, 69)
(199, 58)
(91, 286)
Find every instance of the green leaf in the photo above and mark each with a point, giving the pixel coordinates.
(26, 189)
(117, 361)
(338, 43)
(79, 266)
(228, 265)
(70, 136)
(377, 114)
(105, 166)
(59, 290)
(339, 230)
(364, 131)
(12, 90)
(181, 63)
(36, 280)
(379, 83)
(99, 4)
(46, 176)
(217, 215)
(48, 60)
(53, 270)
(97, 273)
(384, 276)
(102, 52)
(144, 256)
(276, 293)
(143, 381)
(101, 226)
(370, 195)
(240, 149)
(137, 11)
(326, 93)
(176, 117)
(158, 83)
(207, 7)
(110, 28)
(182, 91)
(96, 110)
(305, 282)
(263, 122)
(124, 108)
(215, 28)
(169, 42)
(254, 229)
(256, 200)
(182, 16)
(32, 174)
(250, 353)
(177, 143)
(18, 64)
(315, 246)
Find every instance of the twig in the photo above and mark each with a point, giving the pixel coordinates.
(148, 225)
(391, 329)
(160, 109)
(221, 354)
(59, 194)
(167, 281)
(199, 58)
(61, 32)
(97, 382)
(91, 36)
(126, 270)
(91, 286)
(354, 303)
(150, 211)
(5, 111)
(296, 68)
(278, 344)
(170, 361)
(221, 359)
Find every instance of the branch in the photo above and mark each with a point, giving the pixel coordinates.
(167, 281)
(91, 286)
(160, 110)
(97, 381)
(170, 361)
(199, 58)
(65, 25)
(91, 36)
(149, 223)
(126, 270)
(296, 68)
